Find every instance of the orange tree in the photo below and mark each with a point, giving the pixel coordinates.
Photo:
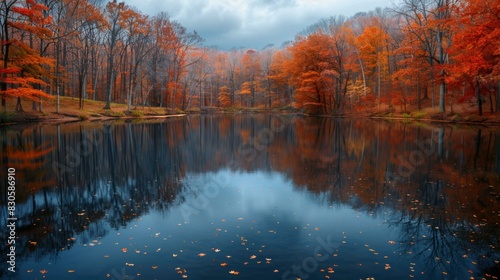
(22, 67)
(311, 71)
(476, 51)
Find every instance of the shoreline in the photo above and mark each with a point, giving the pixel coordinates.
(69, 112)
(65, 118)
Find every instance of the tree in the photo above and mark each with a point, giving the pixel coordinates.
(88, 21)
(310, 68)
(138, 32)
(428, 21)
(158, 64)
(281, 78)
(266, 61)
(251, 74)
(372, 45)
(22, 67)
(475, 50)
(114, 15)
(178, 43)
(224, 96)
(342, 39)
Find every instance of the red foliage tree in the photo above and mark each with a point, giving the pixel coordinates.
(22, 67)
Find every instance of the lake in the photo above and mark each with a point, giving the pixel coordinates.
(250, 197)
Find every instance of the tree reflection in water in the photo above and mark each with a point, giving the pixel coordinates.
(446, 210)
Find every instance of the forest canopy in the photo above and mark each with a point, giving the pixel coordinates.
(441, 54)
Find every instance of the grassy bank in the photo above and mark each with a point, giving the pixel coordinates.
(93, 111)
(69, 111)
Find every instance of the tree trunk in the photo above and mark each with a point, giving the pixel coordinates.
(269, 95)
(83, 85)
(57, 77)
(19, 105)
(419, 94)
(109, 89)
(129, 100)
(498, 96)
(161, 95)
(252, 90)
(491, 102)
(442, 90)
(442, 84)
(479, 98)
(378, 82)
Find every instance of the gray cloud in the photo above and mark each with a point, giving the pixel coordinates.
(212, 21)
(251, 23)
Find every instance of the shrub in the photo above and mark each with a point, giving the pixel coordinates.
(194, 110)
(6, 117)
(419, 115)
(137, 113)
(111, 113)
(83, 117)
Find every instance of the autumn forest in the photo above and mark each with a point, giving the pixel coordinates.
(424, 54)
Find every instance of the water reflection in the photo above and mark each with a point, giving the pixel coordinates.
(436, 187)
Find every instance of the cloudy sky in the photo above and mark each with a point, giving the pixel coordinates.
(252, 23)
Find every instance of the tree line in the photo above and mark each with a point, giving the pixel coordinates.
(441, 54)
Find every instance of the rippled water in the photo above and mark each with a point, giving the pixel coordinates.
(252, 197)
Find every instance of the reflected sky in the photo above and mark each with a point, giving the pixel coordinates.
(258, 214)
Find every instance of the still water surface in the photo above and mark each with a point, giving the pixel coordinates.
(252, 197)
